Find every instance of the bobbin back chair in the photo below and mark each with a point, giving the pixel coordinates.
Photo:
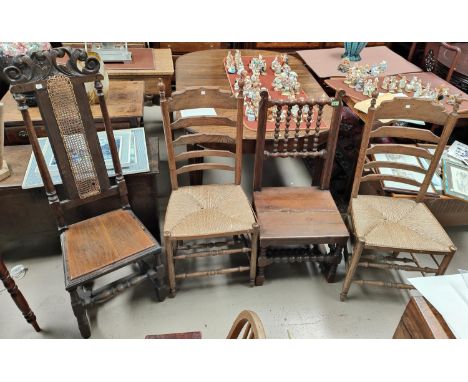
(395, 224)
(301, 217)
(101, 244)
(206, 211)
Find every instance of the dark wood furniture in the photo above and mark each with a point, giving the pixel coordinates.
(421, 320)
(431, 58)
(124, 103)
(206, 211)
(205, 68)
(397, 225)
(17, 296)
(104, 243)
(303, 217)
(247, 326)
(163, 68)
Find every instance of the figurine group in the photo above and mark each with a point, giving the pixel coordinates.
(373, 70)
(395, 85)
(285, 80)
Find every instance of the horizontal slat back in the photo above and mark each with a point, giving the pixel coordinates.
(397, 165)
(405, 132)
(206, 97)
(393, 178)
(398, 149)
(412, 108)
(192, 139)
(204, 166)
(211, 120)
(204, 153)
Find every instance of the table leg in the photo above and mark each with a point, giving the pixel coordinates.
(17, 296)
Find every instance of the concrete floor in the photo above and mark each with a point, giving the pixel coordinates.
(295, 302)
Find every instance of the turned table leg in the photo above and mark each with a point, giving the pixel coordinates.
(17, 296)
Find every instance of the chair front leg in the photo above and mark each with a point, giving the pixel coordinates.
(170, 263)
(253, 253)
(357, 251)
(159, 279)
(80, 313)
(444, 264)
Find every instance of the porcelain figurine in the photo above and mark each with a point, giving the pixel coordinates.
(408, 87)
(392, 86)
(385, 82)
(417, 89)
(277, 83)
(344, 65)
(286, 68)
(376, 86)
(427, 89)
(359, 87)
(250, 112)
(284, 59)
(383, 66)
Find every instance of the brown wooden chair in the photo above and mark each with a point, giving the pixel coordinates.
(101, 244)
(432, 55)
(398, 225)
(247, 326)
(303, 217)
(206, 211)
(17, 296)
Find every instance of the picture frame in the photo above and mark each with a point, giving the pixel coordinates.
(455, 178)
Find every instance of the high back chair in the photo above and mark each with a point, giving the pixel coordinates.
(398, 225)
(301, 217)
(102, 244)
(206, 211)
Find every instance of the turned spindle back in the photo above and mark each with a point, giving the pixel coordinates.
(296, 135)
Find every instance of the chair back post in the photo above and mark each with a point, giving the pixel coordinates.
(444, 137)
(239, 132)
(364, 144)
(120, 180)
(457, 51)
(333, 132)
(260, 143)
(163, 101)
(51, 192)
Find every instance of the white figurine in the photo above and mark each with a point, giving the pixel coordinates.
(250, 112)
(392, 86)
(417, 89)
(402, 84)
(385, 82)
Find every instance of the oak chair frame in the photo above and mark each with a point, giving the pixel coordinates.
(431, 57)
(244, 241)
(273, 250)
(247, 326)
(37, 73)
(398, 108)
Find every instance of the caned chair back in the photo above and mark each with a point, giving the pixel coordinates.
(202, 97)
(63, 103)
(408, 109)
(290, 139)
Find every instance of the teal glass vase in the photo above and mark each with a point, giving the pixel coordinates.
(353, 50)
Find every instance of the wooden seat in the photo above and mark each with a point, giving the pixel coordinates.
(101, 244)
(401, 224)
(288, 215)
(394, 225)
(118, 237)
(209, 210)
(294, 221)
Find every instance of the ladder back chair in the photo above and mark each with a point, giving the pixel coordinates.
(397, 225)
(247, 326)
(301, 217)
(101, 244)
(17, 296)
(206, 211)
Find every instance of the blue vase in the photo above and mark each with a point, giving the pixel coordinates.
(352, 50)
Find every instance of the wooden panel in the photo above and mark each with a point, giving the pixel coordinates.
(183, 123)
(175, 336)
(206, 166)
(115, 236)
(411, 108)
(398, 149)
(186, 47)
(291, 214)
(204, 153)
(192, 139)
(405, 132)
(392, 178)
(291, 46)
(403, 166)
(199, 98)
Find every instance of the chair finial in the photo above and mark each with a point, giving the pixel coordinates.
(375, 94)
(162, 89)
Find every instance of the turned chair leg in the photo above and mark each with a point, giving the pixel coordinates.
(253, 254)
(80, 313)
(170, 264)
(262, 262)
(17, 296)
(159, 279)
(444, 264)
(357, 251)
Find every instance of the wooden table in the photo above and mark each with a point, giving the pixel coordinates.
(205, 68)
(125, 104)
(27, 222)
(324, 62)
(163, 68)
(421, 320)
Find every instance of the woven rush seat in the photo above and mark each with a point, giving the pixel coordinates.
(93, 244)
(398, 223)
(207, 211)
